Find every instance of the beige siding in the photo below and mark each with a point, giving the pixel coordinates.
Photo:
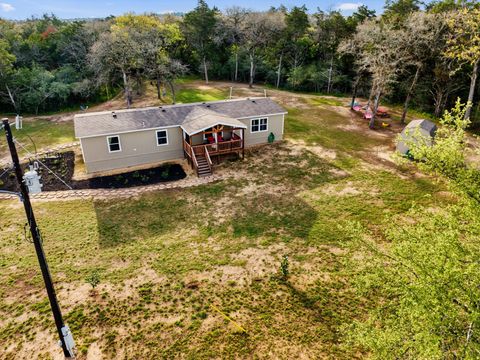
(275, 125)
(138, 148)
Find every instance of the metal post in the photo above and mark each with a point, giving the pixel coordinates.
(37, 241)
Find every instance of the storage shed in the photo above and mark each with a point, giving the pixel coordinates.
(417, 132)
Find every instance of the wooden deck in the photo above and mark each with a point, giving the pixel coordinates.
(200, 156)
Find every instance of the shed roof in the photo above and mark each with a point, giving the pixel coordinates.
(422, 124)
(112, 122)
(417, 131)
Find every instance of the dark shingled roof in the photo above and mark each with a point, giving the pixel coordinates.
(111, 122)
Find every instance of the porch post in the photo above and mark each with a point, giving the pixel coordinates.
(243, 143)
(183, 144)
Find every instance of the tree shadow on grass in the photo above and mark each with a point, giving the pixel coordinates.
(123, 221)
(332, 306)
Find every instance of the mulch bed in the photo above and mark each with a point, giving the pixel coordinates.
(63, 164)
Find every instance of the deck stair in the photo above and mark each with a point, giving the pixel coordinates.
(203, 168)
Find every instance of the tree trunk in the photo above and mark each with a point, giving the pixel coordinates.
(279, 72)
(370, 97)
(172, 88)
(12, 99)
(471, 93)
(438, 103)
(355, 87)
(375, 108)
(205, 70)
(330, 71)
(409, 95)
(138, 79)
(236, 67)
(128, 96)
(250, 81)
(159, 86)
(441, 95)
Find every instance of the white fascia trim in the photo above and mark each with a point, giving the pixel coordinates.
(260, 116)
(128, 131)
(208, 127)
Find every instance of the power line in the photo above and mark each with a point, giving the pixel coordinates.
(46, 167)
(66, 338)
(10, 168)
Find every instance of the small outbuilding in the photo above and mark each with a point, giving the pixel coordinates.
(417, 132)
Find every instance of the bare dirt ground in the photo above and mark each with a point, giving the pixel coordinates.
(249, 264)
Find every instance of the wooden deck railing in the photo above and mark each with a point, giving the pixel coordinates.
(209, 160)
(223, 147)
(207, 150)
(195, 162)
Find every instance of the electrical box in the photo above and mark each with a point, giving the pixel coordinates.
(68, 340)
(18, 122)
(32, 180)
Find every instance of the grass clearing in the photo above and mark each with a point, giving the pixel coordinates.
(166, 257)
(44, 133)
(188, 95)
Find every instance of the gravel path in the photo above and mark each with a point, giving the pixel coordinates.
(117, 193)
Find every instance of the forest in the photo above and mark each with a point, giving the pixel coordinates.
(326, 245)
(422, 56)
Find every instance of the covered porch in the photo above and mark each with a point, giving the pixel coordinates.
(209, 135)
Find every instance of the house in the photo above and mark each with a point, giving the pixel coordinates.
(198, 132)
(419, 132)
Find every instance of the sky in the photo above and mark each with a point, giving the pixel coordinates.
(68, 9)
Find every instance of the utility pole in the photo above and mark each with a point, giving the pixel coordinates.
(66, 339)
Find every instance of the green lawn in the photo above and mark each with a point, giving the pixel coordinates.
(176, 265)
(189, 95)
(42, 132)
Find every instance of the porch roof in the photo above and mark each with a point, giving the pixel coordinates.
(201, 119)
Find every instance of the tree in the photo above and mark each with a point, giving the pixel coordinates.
(425, 271)
(424, 35)
(118, 51)
(6, 69)
(378, 50)
(198, 27)
(169, 71)
(39, 85)
(397, 11)
(426, 275)
(296, 27)
(157, 42)
(331, 29)
(439, 6)
(230, 29)
(464, 45)
(447, 156)
(363, 13)
(260, 30)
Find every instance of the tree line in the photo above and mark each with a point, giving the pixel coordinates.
(422, 56)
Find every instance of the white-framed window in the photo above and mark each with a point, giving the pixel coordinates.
(259, 125)
(162, 137)
(113, 143)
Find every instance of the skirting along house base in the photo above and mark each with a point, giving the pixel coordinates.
(198, 131)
